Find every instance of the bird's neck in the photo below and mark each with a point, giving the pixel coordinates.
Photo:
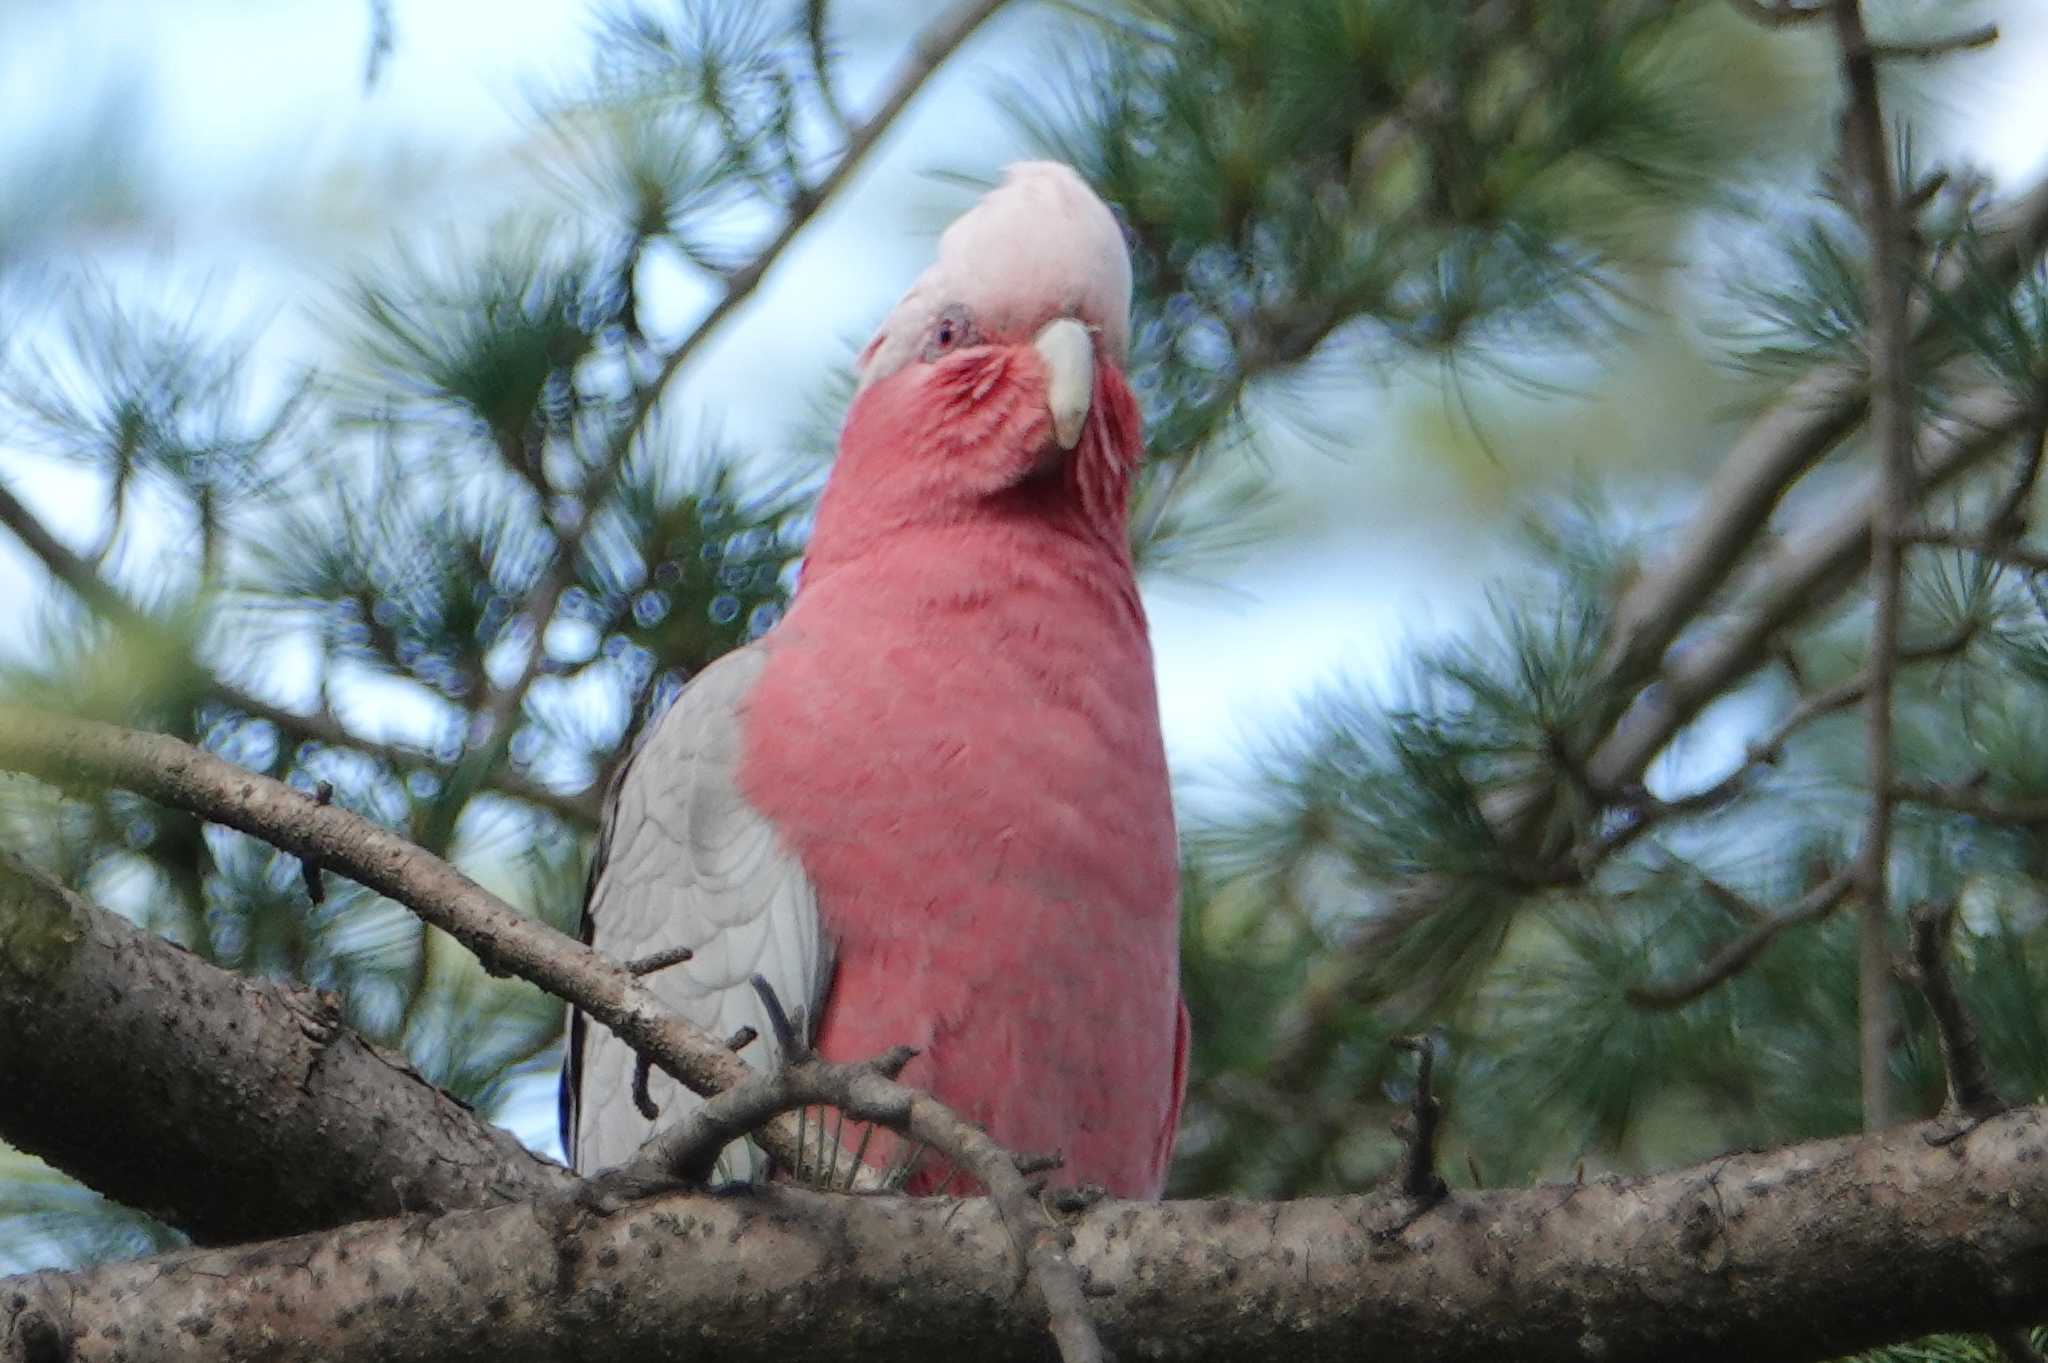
(947, 463)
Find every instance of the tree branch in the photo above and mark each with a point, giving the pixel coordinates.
(107, 602)
(1733, 958)
(869, 1093)
(234, 1109)
(1971, 1096)
(1984, 35)
(1772, 453)
(1985, 546)
(1811, 573)
(70, 751)
(1650, 812)
(1801, 1253)
(1866, 148)
(928, 53)
(1965, 798)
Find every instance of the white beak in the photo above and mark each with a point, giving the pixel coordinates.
(1069, 354)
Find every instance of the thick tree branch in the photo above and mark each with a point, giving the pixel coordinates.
(1802, 1253)
(71, 752)
(869, 1092)
(234, 1109)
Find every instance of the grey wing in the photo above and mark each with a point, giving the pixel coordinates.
(684, 861)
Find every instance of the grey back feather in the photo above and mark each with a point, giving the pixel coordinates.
(684, 860)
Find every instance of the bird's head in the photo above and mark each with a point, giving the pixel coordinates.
(998, 376)
(1037, 249)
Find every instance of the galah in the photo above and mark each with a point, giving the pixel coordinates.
(930, 806)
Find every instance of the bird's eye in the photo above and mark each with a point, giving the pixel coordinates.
(951, 331)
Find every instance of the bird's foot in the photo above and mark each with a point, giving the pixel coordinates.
(1072, 1202)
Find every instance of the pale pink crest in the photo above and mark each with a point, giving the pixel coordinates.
(1039, 245)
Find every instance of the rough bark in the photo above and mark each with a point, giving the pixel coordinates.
(1799, 1253)
(231, 1108)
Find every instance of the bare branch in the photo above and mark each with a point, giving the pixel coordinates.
(1997, 550)
(1733, 958)
(104, 600)
(1810, 574)
(1966, 798)
(232, 1108)
(1419, 1178)
(1772, 453)
(1781, 13)
(1971, 1097)
(70, 751)
(1984, 35)
(1866, 147)
(1918, 1240)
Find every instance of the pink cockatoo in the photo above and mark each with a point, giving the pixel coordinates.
(930, 806)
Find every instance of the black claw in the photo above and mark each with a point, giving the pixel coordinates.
(793, 1048)
(1074, 1201)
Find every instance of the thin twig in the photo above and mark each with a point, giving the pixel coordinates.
(72, 752)
(1985, 546)
(1971, 1097)
(1782, 13)
(106, 601)
(1651, 812)
(658, 960)
(309, 868)
(1965, 798)
(1736, 955)
(1984, 35)
(2008, 519)
(1417, 1129)
(1866, 148)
